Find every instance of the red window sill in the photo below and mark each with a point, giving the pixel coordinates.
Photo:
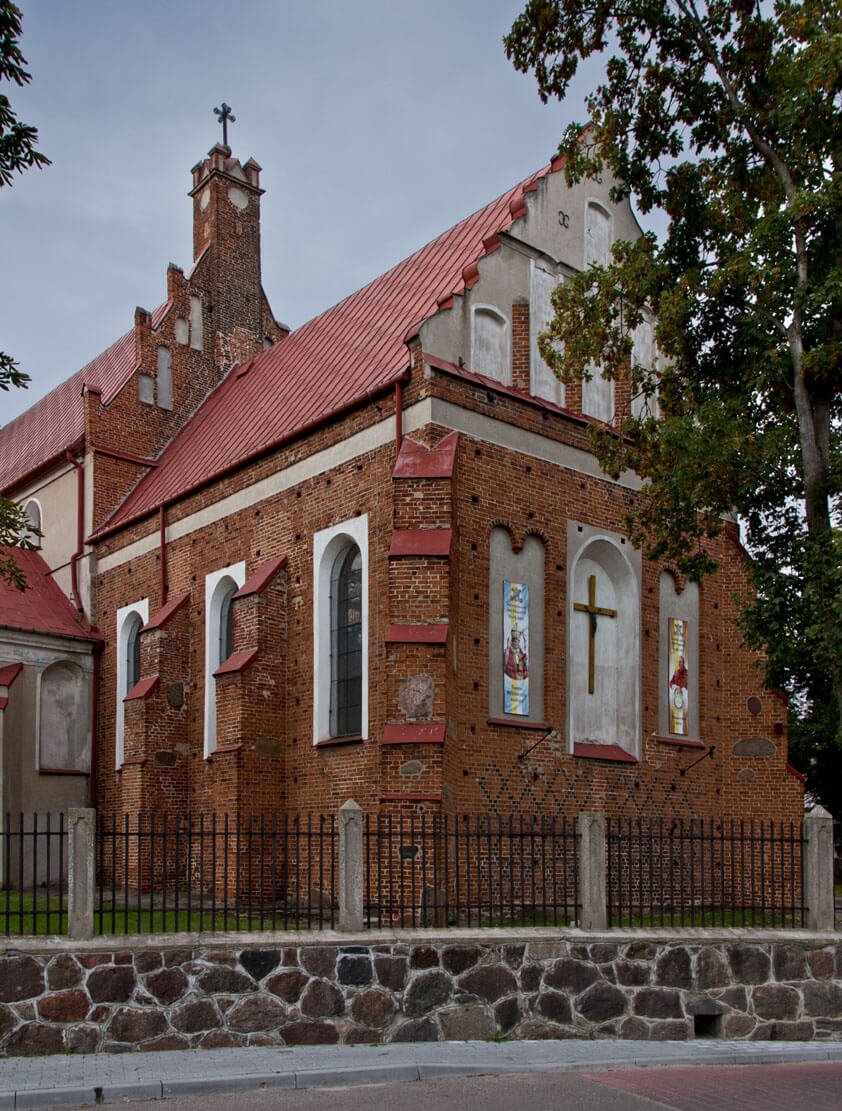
(61, 771)
(611, 753)
(224, 751)
(680, 742)
(332, 742)
(538, 726)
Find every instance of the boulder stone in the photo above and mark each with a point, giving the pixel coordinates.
(658, 1003)
(425, 993)
(35, 1040)
(533, 1029)
(632, 973)
(788, 962)
(530, 977)
(822, 999)
(821, 964)
(130, 1025)
(221, 1039)
(309, 1033)
(287, 985)
(373, 1007)
(319, 960)
(570, 975)
(257, 1012)
(641, 951)
(423, 956)
(711, 970)
(555, 1006)
(466, 1024)
(749, 964)
(489, 982)
(424, 1030)
(600, 1002)
(736, 998)
(322, 999)
(775, 1001)
(260, 962)
(508, 1014)
(358, 1035)
(64, 972)
(65, 1006)
(670, 1031)
(603, 952)
(20, 978)
(111, 984)
(222, 980)
(148, 962)
(167, 985)
(82, 1039)
(391, 972)
(458, 958)
(672, 968)
(355, 970)
(166, 1041)
(195, 1016)
(8, 1020)
(738, 1026)
(634, 1029)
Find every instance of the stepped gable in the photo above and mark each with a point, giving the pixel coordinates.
(43, 607)
(57, 422)
(327, 365)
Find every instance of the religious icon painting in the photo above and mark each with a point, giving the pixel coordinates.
(678, 694)
(515, 648)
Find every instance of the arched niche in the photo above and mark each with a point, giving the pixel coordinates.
(604, 646)
(64, 726)
(490, 346)
(516, 605)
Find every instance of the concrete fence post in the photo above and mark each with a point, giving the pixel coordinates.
(818, 869)
(350, 866)
(81, 830)
(592, 885)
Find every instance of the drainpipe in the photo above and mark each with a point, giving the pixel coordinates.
(398, 417)
(162, 529)
(80, 529)
(99, 648)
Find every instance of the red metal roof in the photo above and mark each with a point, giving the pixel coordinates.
(57, 421)
(43, 608)
(327, 365)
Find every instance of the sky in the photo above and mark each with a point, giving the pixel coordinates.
(378, 124)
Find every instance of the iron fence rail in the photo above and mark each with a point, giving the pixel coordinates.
(705, 873)
(485, 870)
(166, 873)
(33, 874)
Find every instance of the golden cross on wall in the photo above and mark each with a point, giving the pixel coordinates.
(594, 611)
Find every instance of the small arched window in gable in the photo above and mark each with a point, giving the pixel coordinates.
(599, 235)
(33, 528)
(346, 628)
(490, 354)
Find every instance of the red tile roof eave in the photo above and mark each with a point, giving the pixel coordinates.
(107, 529)
(45, 465)
(94, 637)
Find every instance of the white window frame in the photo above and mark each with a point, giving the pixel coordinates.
(327, 544)
(141, 609)
(213, 611)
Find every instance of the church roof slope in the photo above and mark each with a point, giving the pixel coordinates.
(43, 607)
(57, 421)
(324, 367)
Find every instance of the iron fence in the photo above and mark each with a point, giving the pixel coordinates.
(705, 873)
(165, 873)
(486, 870)
(33, 879)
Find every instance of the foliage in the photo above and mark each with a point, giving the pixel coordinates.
(724, 115)
(17, 153)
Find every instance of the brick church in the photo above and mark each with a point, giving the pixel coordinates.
(372, 557)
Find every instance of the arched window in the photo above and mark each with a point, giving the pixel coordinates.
(340, 631)
(132, 650)
(32, 531)
(130, 622)
(346, 627)
(220, 588)
(490, 353)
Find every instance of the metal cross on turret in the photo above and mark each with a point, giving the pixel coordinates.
(224, 114)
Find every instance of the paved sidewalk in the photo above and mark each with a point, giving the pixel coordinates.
(39, 1082)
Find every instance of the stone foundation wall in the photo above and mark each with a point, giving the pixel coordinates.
(292, 989)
